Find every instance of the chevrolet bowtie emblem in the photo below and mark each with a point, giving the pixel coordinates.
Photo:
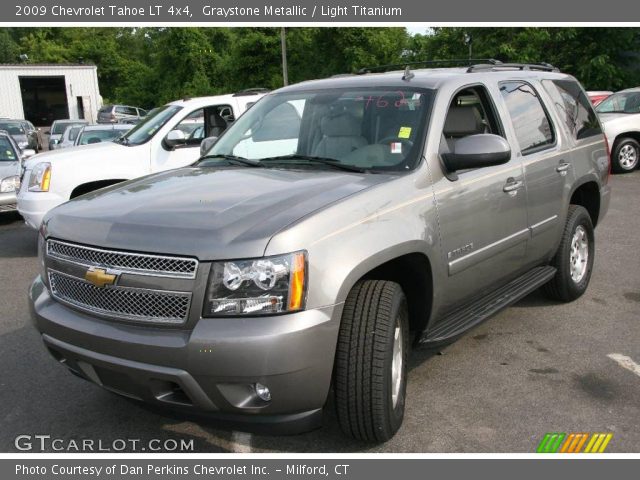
(99, 277)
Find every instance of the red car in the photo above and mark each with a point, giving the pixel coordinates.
(597, 96)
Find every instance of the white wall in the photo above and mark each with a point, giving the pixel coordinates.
(80, 81)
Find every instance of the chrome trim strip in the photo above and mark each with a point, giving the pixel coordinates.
(477, 256)
(120, 316)
(122, 269)
(545, 224)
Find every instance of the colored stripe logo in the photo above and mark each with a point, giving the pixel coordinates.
(574, 443)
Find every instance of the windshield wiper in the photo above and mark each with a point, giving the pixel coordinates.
(296, 158)
(232, 159)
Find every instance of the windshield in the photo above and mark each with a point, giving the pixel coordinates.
(154, 121)
(12, 128)
(622, 102)
(88, 137)
(7, 152)
(369, 129)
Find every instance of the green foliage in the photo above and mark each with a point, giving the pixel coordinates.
(601, 58)
(150, 66)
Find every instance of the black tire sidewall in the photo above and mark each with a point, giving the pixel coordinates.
(616, 160)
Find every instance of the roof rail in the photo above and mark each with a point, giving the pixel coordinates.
(493, 67)
(251, 91)
(430, 64)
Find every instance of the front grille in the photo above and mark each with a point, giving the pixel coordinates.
(9, 207)
(125, 261)
(142, 305)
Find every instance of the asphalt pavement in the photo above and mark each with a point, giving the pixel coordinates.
(536, 367)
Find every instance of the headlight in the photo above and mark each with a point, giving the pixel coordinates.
(260, 286)
(10, 184)
(23, 145)
(40, 177)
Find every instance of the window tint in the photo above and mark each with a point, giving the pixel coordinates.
(574, 108)
(530, 122)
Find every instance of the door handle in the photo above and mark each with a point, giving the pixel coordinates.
(563, 167)
(512, 186)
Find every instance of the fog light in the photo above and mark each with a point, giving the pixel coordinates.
(263, 392)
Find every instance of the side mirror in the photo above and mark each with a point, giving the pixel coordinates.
(27, 152)
(206, 145)
(477, 151)
(175, 138)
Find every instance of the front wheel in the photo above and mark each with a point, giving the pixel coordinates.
(371, 361)
(625, 156)
(574, 258)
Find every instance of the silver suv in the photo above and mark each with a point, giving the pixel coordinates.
(333, 226)
(120, 113)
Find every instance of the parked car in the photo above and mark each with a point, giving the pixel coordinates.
(69, 136)
(57, 129)
(156, 144)
(10, 165)
(34, 136)
(117, 113)
(597, 96)
(17, 131)
(620, 116)
(413, 206)
(90, 134)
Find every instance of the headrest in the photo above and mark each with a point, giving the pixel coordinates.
(341, 125)
(216, 120)
(463, 120)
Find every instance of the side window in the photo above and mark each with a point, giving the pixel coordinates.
(191, 127)
(471, 112)
(530, 121)
(574, 108)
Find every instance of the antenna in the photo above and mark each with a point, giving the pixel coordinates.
(408, 74)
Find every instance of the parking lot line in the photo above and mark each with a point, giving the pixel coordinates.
(241, 442)
(625, 362)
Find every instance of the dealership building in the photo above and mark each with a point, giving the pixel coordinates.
(42, 93)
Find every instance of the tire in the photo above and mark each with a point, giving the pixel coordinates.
(571, 280)
(625, 155)
(370, 399)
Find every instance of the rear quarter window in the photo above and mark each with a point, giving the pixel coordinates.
(574, 108)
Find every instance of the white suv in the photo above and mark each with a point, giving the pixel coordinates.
(168, 138)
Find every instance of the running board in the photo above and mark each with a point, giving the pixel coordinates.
(477, 311)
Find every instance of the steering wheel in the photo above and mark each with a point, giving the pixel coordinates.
(404, 141)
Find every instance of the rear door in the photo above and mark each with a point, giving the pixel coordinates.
(545, 154)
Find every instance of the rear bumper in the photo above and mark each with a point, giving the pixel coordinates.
(209, 370)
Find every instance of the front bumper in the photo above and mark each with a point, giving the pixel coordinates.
(8, 202)
(33, 206)
(210, 369)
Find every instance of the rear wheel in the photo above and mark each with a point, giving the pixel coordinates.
(625, 156)
(574, 258)
(371, 361)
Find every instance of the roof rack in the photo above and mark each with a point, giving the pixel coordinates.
(251, 91)
(430, 64)
(496, 67)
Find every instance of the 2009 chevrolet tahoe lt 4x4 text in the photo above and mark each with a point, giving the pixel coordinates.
(336, 224)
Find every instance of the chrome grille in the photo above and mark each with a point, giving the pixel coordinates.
(138, 304)
(125, 261)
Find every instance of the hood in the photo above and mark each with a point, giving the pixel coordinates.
(203, 212)
(9, 169)
(20, 138)
(72, 154)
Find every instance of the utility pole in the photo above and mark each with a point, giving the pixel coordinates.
(283, 46)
